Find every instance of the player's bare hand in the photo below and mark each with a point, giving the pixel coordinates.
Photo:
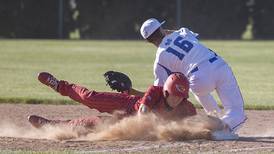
(143, 109)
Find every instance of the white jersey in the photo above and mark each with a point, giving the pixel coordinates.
(179, 51)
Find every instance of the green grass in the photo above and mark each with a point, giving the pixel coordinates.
(84, 62)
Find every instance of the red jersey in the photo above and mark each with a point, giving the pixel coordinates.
(154, 99)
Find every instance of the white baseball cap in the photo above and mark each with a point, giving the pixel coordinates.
(150, 26)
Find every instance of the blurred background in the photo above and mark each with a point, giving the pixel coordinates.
(43, 35)
(121, 19)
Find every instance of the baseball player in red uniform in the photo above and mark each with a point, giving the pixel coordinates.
(169, 101)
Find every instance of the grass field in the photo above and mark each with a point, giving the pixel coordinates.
(84, 62)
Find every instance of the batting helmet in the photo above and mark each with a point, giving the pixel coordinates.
(177, 84)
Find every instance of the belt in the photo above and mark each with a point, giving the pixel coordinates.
(211, 60)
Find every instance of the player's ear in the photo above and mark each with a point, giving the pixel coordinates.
(166, 94)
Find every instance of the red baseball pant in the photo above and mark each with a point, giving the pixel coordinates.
(102, 101)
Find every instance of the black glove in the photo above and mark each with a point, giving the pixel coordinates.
(118, 81)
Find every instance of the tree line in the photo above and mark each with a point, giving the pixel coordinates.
(121, 19)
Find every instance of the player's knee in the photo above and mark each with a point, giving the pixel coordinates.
(200, 91)
(88, 95)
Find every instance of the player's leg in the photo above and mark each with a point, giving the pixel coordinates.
(39, 121)
(209, 104)
(86, 122)
(102, 101)
(201, 85)
(231, 98)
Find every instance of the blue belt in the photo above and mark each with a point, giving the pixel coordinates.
(194, 70)
(211, 60)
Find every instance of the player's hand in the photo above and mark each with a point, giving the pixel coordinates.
(143, 109)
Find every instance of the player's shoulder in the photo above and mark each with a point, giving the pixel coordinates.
(185, 32)
(154, 91)
(155, 88)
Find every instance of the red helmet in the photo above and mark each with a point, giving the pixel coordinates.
(177, 84)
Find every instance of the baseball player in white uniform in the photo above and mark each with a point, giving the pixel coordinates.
(181, 51)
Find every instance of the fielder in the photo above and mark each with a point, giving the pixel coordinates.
(181, 51)
(169, 102)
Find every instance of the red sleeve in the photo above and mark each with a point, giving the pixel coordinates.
(152, 96)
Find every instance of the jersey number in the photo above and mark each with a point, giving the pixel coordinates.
(182, 44)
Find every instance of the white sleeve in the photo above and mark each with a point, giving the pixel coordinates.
(160, 74)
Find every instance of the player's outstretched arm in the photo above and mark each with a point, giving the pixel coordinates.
(135, 92)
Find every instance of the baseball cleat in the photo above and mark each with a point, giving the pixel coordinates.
(223, 135)
(49, 80)
(37, 121)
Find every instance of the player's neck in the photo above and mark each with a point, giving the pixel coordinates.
(158, 41)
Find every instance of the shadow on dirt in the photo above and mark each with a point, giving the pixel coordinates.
(269, 139)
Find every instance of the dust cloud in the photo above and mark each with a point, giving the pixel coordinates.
(151, 127)
(144, 127)
(8, 129)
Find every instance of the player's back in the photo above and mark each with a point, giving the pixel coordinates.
(181, 51)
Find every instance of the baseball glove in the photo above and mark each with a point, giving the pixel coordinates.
(118, 81)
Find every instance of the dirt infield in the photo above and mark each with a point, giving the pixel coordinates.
(257, 135)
